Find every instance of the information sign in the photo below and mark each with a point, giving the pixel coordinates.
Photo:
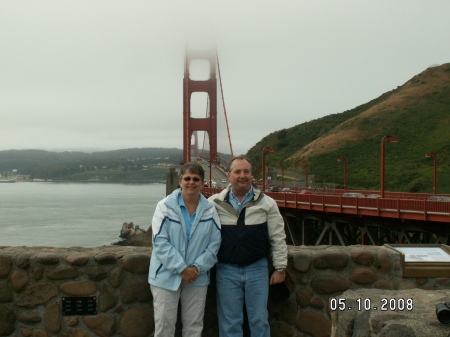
(423, 260)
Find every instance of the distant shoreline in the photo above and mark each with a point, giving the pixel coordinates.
(91, 181)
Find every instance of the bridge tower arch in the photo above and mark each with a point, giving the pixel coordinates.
(207, 124)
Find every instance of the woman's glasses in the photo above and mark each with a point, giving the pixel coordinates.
(189, 179)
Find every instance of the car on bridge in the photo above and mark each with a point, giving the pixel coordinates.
(353, 195)
(438, 198)
(373, 196)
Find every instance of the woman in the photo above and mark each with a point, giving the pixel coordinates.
(186, 239)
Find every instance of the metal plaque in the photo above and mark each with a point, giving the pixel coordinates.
(79, 305)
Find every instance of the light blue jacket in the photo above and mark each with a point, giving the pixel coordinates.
(171, 253)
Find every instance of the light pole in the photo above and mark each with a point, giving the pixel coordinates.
(282, 172)
(304, 162)
(384, 140)
(345, 171)
(435, 165)
(264, 150)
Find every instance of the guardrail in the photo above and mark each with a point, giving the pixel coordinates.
(399, 208)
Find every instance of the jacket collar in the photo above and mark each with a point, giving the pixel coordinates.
(224, 194)
(172, 201)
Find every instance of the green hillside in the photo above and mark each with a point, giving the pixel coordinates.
(418, 113)
(139, 164)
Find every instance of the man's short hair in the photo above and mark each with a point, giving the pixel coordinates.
(242, 157)
(194, 168)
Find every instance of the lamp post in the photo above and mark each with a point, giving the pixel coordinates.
(282, 172)
(345, 171)
(304, 162)
(384, 140)
(434, 176)
(264, 150)
(211, 159)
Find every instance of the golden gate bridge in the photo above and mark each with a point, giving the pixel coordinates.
(319, 216)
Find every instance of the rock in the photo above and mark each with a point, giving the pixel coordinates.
(136, 322)
(5, 266)
(103, 325)
(410, 312)
(79, 259)
(136, 263)
(7, 319)
(37, 294)
(78, 288)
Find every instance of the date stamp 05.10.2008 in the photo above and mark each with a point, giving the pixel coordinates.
(366, 304)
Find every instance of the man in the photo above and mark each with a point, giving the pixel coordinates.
(252, 228)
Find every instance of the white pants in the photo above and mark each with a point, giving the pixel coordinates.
(165, 306)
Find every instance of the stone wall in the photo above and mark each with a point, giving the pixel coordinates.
(35, 280)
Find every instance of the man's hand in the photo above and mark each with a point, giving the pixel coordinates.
(189, 275)
(277, 277)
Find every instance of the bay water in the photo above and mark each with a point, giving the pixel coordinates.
(73, 214)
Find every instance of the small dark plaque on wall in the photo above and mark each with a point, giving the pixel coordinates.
(86, 305)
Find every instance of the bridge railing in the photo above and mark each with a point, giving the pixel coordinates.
(415, 209)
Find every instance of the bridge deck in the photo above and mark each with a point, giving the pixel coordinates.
(411, 209)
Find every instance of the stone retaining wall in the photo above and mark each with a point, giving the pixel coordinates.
(34, 281)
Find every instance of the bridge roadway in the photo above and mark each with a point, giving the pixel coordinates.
(327, 217)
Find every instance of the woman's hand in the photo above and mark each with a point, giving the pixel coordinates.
(189, 275)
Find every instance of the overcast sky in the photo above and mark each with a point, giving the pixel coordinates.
(108, 74)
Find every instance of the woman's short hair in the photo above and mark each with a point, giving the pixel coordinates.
(194, 168)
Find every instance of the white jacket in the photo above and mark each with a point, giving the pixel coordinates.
(252, 234)
(171, 254)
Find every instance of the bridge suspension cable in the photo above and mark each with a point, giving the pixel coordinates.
(223, 104)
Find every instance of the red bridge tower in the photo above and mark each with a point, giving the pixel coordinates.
(208, 124)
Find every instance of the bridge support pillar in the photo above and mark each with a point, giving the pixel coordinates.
(208, 124)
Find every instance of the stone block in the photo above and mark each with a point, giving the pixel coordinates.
(47, 258)
(7, 320)
(103, 325)
(6, 292)
(115, 276)
(106, 258)
(409, 312)
(329, 284)
(136, 263)
(78, 259)
(303, 297)
(5, 265)
(19, 279)
(23, 260)
(95, 273)
(331, 260)
(313, 323)
(301, 261)
(384, 262)
(29, 317)
(52, 317)
(106, 299)
(78, 288)
(362, 256)
(62, 272)
(136, 289)
(363, 275)
(36, 294)
(281, 329)
(136, 322)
